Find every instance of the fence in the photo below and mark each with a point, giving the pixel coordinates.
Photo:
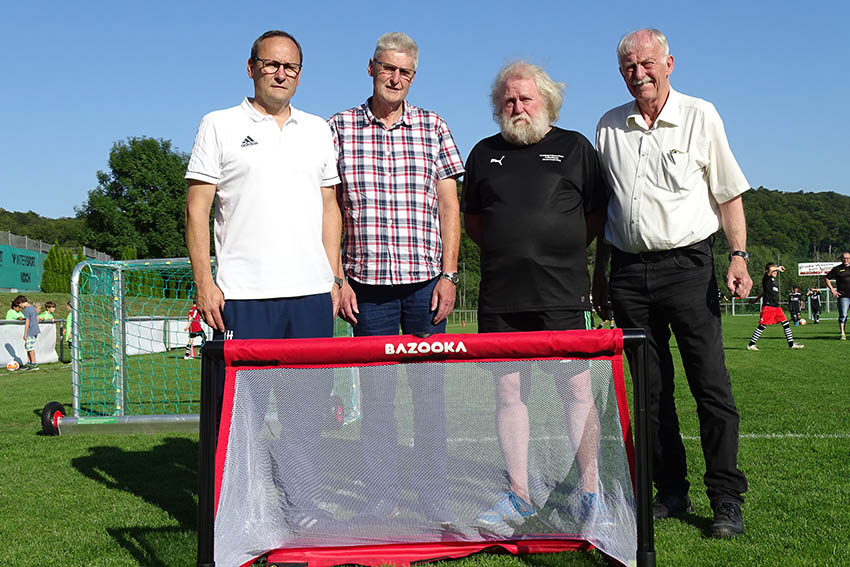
(27, 243)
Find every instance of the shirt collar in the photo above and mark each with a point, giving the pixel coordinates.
(257, 116)
(670, 115)
(369, 117)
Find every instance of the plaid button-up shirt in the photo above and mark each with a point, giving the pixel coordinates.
(389, 193)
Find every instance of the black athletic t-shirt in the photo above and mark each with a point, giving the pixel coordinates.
(841, 275)
(532, 201)
(770, 291)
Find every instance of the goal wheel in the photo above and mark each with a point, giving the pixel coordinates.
(49, 415)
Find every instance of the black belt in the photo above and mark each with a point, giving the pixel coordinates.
(703, 246)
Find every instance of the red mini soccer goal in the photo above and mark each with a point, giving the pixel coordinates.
(464, 442)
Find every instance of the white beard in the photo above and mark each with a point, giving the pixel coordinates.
(516, 129)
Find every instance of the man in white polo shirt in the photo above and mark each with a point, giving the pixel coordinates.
(674, 183)
(277, 230)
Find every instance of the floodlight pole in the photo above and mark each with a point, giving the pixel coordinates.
(634, 341)
(211, 355)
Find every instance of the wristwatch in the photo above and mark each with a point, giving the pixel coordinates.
(451, 276)
(339, 282)
(740, 253)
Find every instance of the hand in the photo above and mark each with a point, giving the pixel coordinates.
(600, 297)
(443, 300)
(348, 304)
(738, 280)
(335, 299)
(835, 293)
(210, 302)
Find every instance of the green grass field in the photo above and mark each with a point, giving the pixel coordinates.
(92, 500)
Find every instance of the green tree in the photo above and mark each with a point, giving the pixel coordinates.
(139, 201)
(58, 266)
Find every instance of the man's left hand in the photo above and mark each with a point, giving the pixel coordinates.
(443, 300)
(738, 279)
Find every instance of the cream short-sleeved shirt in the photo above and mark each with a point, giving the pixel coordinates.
(667, 180)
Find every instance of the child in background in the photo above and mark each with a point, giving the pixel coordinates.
(771, 313)
(66, 331)
(49, 308)
(31, 331)
(195, 330)
(14, 313)
(814, 302)
(795, 304)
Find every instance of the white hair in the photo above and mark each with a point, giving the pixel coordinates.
(552, 92)
(397, 41)
(632, 40)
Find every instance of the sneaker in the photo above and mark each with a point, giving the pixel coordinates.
(752, 347)
(843, 337)
(187, 357)
(797, 346)
(728, 521)
(509, 512)
(30, 366)
(592, 509)
(672, 505)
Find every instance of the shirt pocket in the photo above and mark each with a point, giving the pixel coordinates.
(679, 171)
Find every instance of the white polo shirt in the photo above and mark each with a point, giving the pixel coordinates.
(268, 214)
(666, 181)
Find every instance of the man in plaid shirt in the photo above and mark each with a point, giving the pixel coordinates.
(401, 218)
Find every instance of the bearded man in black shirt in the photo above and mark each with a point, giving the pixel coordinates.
(533, 199)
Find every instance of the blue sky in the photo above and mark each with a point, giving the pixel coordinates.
(80, 76)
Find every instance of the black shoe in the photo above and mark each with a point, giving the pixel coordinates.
(379, 510)
(671, 505)
(728, 521)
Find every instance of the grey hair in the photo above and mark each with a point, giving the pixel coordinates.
(631, 41)
(551, 91)
(397, 41)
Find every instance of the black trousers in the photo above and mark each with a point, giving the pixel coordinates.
(676, 291)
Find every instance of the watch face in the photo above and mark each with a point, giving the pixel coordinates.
(452, 277)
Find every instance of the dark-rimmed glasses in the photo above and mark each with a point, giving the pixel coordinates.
(270, 67)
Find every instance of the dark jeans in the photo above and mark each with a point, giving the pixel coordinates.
(382, 309)
(677, 290)
(301, 399)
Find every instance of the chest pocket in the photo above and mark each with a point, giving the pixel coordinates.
(679, 171)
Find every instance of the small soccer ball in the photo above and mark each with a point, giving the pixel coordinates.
(802, 321)
(12, 365)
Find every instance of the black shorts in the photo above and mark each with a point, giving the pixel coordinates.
(556, 320)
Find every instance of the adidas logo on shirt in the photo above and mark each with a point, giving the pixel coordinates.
(248, 141)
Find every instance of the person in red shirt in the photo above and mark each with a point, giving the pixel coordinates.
(195, 330)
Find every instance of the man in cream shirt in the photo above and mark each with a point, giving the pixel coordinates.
(674, 183)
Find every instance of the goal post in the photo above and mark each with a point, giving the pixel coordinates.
(248, 506)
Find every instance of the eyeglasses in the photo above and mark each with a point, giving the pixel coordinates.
(270, 67)
(406, 74)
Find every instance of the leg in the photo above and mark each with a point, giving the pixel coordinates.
(427, 385)
(695, 320)
(634, 304)
(380, 314)
(512, 429)
(843, 306)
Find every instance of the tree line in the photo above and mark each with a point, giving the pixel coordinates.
(136, 211)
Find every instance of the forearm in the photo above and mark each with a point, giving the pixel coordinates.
(449, 213)
(198, 205)
(734, 223)
(331, 229)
